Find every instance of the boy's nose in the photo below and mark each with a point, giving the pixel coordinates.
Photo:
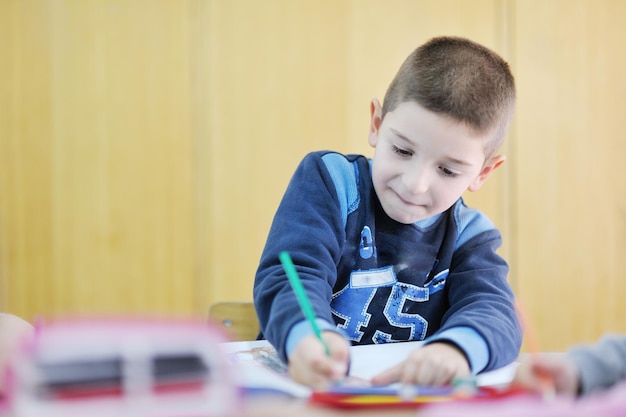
(417, 180)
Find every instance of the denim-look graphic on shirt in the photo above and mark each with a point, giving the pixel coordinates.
(351, 303)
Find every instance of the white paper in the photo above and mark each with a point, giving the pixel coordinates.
(366, 361)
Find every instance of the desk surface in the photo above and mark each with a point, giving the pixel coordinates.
(366, 361)
(282, 407)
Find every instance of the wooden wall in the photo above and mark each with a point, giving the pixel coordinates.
(145, 144)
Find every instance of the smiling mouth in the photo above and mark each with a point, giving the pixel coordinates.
(408, 202)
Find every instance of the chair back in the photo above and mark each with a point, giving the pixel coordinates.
(238, 320)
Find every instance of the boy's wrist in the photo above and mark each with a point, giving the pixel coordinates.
(469, 342)
(303, 329)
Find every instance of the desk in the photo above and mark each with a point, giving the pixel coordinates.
(367, 360)
(281, 407)
(610, 403)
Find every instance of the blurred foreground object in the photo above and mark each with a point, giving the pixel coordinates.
(14, 332)
(125, 368)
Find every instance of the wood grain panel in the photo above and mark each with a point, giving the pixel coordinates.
(570, 212)
(26, 258)
(276, 91)
(98, 187)
(291, 77)
(145, 145)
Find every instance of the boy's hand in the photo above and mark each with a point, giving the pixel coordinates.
(432, 364)
(552, 371)
(309, 364)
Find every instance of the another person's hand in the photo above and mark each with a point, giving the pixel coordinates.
(432, 364)
(309, 364)
(555, 370)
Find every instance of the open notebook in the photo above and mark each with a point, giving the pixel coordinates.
(257, 366)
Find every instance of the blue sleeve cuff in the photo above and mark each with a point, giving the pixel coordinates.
(470, 342)
(302, 329)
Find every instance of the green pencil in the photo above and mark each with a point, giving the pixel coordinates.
(303, 300)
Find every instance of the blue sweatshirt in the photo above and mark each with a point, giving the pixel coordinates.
(380, 281)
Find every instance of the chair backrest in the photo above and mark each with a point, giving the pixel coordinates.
(237, 319)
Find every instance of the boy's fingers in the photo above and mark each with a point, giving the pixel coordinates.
(310, 365)
(418, 372)
(339, 355)
(407, 373)
(428, 373)
(313, 374)
(388, 376)
(322, 366)
(338, 371)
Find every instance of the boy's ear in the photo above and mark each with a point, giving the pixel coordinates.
(493, 163)
(376, 118)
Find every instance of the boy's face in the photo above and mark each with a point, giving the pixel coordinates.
(423, 162)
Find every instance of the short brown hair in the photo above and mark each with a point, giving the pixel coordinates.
(461, 79)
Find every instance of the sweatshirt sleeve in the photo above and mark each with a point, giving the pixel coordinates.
(601, 365)
(480, 297)
(309, 226)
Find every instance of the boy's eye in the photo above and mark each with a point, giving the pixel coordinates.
(447, 172)
(400, 151)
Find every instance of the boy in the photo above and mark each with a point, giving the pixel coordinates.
(386, 249)
(584, 369)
